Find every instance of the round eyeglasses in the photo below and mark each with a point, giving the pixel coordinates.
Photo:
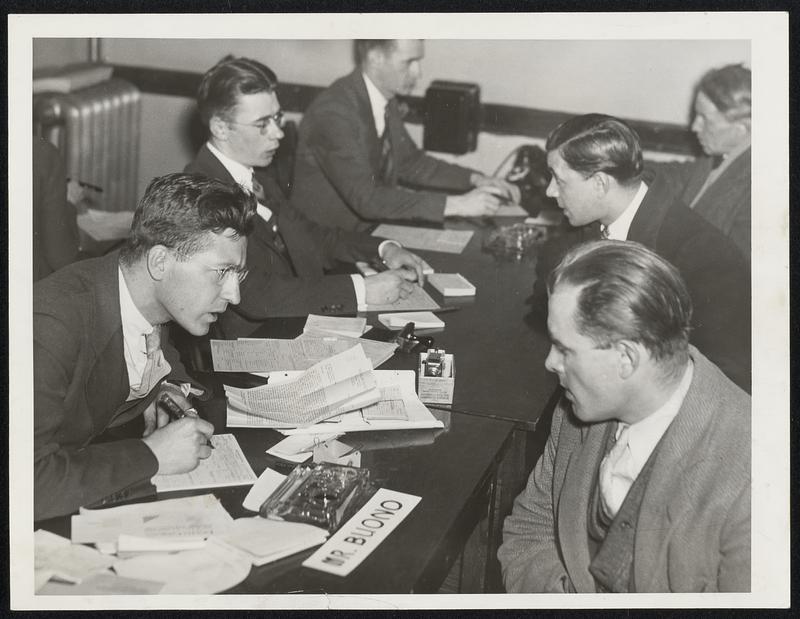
(263, 125)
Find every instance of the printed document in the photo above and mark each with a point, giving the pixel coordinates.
(446, 241)
(332, 386)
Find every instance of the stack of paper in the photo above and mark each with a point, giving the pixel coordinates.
(336, 325)
(452, 284)
(264, 541)
(398, 408)
(168, 525)
(342, 383)
(421, 320)
(417, 300)
(277, 355)
(447, 241)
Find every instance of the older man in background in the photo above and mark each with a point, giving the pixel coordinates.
(357, 164)
(717, 185)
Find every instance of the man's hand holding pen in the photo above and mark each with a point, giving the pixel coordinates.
(178, 438)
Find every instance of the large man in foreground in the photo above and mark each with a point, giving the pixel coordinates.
(287, 254)
(357, 164)
(597, 179)
(644, 484)
(101, 354)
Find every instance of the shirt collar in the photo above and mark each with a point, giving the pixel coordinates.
(618, 229)
(242, 174)
(378, 104)
(134, 325)
(643, 436)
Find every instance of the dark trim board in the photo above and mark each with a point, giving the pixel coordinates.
(498, 119)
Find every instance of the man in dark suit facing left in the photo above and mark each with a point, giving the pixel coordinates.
(357, 164)
(287, 254)
(597, 179)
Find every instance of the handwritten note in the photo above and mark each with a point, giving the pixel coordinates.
(339, 325)
(227, 466)
(446, 241)
(417, 300)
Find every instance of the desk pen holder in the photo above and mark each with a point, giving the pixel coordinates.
(436, 389)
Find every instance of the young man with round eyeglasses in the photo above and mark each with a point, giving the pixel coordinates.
(101, 350)
(288, 254)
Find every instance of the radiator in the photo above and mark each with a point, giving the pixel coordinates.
(97, 131)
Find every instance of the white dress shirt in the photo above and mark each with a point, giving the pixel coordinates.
(618, 229)
(135, 328)
(378, 104)
(643, 436)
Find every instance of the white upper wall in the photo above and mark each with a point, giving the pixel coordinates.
(636, 79)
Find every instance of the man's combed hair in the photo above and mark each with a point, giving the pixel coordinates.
(729, 89)
(627, 292)
(179, 210)
(362, 47)
(226, 81)
(598, 143)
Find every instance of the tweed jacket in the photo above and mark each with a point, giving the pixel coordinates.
(693, 531)
(80, 388)
(715, 272)
(271, 289)
(726, 203)
(338, 162)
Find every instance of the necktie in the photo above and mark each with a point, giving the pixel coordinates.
(387, 161)
(155, 368)
(616, 475)
(273, 206)
(716, 161)
(603, 232)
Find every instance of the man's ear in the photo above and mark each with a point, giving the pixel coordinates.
(602, 182)
(158, 261)
(218, 128)
(629, 357)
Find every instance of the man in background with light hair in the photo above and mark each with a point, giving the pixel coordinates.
(717, 185)
(357, 164)
(644, 484)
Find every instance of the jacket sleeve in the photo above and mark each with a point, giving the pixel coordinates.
(68, 477)
(529, 555)
(734, 567)
(340, 146)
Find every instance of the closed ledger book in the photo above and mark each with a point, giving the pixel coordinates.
(452, 284)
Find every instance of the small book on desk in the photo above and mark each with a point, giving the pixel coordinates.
(452, 284)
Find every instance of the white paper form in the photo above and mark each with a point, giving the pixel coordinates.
(339, 325)
(212, 569)
(417, 300)
(227, 466)
(446, 241)
(377, 352)
(269, 540)
(320, 392)
(187, 517)
(57, 557)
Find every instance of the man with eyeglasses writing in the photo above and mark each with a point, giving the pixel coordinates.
(288, 254)
(102, 356)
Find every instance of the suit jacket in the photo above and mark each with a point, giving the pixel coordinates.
(726, 203)
(715, 272)
(693, 531)
(271, 290)
(338, 162)
(81, 387)
(55, 223)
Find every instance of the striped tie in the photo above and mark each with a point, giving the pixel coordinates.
(386, 173)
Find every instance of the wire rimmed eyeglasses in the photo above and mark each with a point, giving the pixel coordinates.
(240, 273)
(263, 125)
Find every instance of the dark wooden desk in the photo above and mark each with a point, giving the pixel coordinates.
(454, 470)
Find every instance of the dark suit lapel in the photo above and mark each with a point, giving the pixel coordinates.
(364, 108)
(646, 224)
(729, 183)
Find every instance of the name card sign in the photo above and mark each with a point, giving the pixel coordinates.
(363, 533)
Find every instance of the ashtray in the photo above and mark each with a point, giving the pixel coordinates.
(516, 241)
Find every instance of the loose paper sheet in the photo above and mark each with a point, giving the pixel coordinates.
(339, 325)
(57, 557)
(446, 241)
(266, 540)
(417, 300)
